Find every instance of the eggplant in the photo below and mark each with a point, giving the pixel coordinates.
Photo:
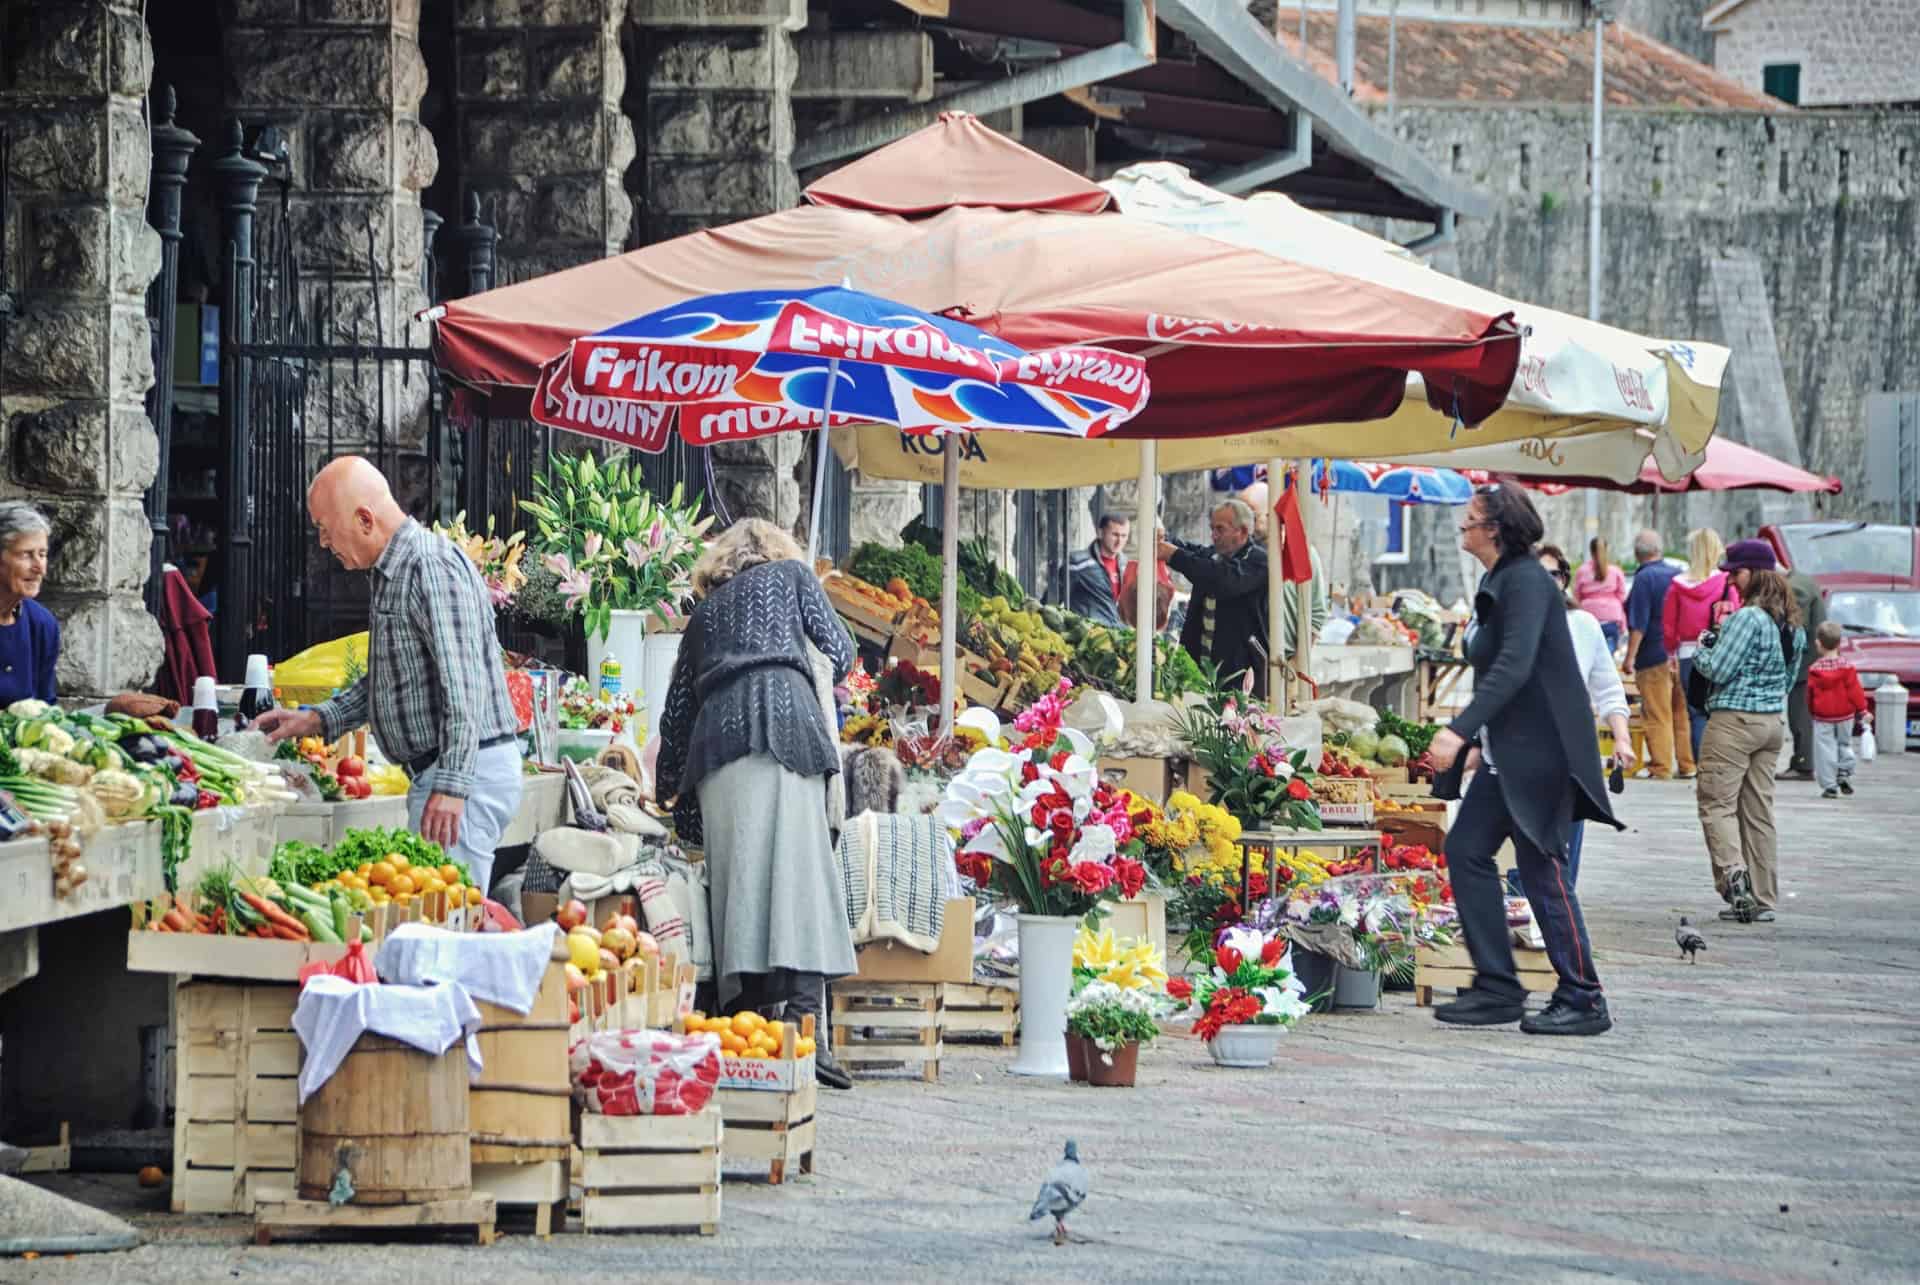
(185, 794)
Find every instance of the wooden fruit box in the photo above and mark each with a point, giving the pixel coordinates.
(541, 1186)
(266, 959)
(864, 616)
(769, 1130)
(237, 1121)
(649, 992)
(888, 1024)
(972, 1012)
(651, 1172)
(1445, 968)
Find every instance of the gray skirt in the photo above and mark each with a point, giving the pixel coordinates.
(773, 885)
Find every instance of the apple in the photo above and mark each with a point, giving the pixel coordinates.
(609, 961)
(576, 980)
(631, 924)
(644, 943)
(572, 915)
(619, 941)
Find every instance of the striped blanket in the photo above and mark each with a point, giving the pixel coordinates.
(897, 873)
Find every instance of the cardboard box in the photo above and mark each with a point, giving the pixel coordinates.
(1150, 778)
(888, 961)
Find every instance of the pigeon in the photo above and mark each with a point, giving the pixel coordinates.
(1062, 1193)
(1689, 939)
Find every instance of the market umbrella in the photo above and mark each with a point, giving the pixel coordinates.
(1404, 483)
(959, 220)
(1572, 369)
(1725, 466)
(748, 363)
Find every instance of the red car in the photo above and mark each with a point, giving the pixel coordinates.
(1869, 575)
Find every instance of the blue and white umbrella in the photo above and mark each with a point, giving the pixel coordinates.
(1406, 483)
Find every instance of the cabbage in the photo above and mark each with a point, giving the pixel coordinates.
(1392, 751)
(1364, 742)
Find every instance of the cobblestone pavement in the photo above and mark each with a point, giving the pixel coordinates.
(1752, 1118)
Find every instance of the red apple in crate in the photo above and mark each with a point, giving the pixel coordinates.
(645, 944)
(572, 914)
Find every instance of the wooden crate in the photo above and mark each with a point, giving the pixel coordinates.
(889, 961)
(888, 1024)
(540, 1186)
(971, 1012)
(277, 1213)
(651, 1172)
(768, 1133)
(648, 992)
(237, 1121)
(521, 1107)
(1446, 968)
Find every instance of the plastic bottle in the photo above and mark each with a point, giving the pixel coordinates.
(206, 709)
(609, 677)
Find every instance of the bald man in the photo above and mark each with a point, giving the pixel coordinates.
(435, 691)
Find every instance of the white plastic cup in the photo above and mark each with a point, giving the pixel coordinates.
(203, 693)
(257, 671)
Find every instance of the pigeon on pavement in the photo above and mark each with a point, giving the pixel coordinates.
(1062, 1193)
(1688, 938)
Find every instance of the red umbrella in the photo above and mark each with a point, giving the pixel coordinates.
(1728, 466)
(961, 220)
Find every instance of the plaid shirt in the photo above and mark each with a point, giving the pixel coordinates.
(1749, 674)
(434, 682)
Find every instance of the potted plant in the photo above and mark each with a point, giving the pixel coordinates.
(617, 552)
(1039, 827)
(1251, 770)
(1113, 1022)
(1248, 1000)
(1131, 965)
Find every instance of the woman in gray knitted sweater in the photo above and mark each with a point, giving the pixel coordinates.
(745, 747)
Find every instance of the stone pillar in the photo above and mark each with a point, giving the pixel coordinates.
(341, 80)
(716, 143)
(543, 140)
(77, 360)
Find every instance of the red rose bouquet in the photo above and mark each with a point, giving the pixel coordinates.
(1250, 984)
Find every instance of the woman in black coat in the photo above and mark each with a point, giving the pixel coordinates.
(1529, 730)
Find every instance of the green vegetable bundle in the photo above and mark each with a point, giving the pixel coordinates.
(876, 564)
(1418, 736)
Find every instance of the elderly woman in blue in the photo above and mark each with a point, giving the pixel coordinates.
(29, 635)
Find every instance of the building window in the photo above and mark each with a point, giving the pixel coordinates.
(1781, 80)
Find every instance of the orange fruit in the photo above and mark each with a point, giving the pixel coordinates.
(400, 884)
(435, 884)
(380, 895)
(743, 1024)
(381, 873)
(450, 875)
(475, 896)
(398, 860)
(732, 1043)
(403, 897)
(757, 1054)
(803, 1047)
(776, 1029)
(366, 868)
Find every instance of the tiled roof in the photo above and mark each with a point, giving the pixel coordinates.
(1498, 63)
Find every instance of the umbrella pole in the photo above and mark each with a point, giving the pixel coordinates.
(1146, 573)
(949, 578)
(820, 462)
(1276, 587)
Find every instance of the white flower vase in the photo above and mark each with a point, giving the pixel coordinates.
(1046, 978)
(626, 643)
(1250, 1045)
(656, 675)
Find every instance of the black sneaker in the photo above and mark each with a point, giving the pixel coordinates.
(1832, 794)
(1731, 917)
(1562, 1018)
(1477, 1008)
(1740, 893)
(1846, 786)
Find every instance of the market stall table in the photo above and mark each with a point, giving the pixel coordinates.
(1274, 842)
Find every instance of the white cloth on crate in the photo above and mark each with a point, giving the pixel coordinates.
(495, 968)
(494, 801)
(333, 1013)
(896, 874)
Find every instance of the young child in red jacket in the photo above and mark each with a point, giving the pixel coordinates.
(1838, 704)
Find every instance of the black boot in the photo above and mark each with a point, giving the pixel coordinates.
(809, 1000)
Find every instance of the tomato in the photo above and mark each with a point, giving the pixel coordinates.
(351, 766)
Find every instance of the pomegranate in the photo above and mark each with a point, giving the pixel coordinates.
(645, 944)
(572, 915)
(576, 980)
(609, 961)
(619, 941)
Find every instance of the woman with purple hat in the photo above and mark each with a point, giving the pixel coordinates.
(1751, 660)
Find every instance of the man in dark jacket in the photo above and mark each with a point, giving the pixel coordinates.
(1095, 573)
(1227, 618)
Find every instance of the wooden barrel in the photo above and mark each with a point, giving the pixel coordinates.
(521, 1109)
(396, 1119)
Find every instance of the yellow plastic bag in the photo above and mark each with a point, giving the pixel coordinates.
(321, 670)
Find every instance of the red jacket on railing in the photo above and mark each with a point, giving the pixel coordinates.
(1834, 694)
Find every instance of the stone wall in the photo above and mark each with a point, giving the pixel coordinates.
(542, 137)
(714, 104)
(77, 362)
(1850, 52)
(1828, 203)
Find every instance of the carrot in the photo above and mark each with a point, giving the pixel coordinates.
(287, 934)
(176, 921)
(273, 914)
(159, 926)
